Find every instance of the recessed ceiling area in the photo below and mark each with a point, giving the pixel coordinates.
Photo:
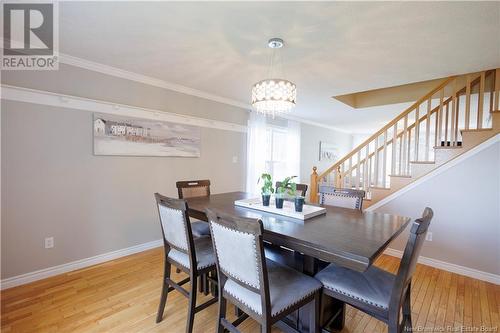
(386, 96)
(332, 48)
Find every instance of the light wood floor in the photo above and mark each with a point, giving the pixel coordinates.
(122, 296)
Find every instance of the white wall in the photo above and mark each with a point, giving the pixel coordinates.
(310, 139)
(466, 204)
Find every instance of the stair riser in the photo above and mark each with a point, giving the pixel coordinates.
(399, 182)
(472, 139)
(496, 120)
(418, 170)
(378, 194)
(444, 155)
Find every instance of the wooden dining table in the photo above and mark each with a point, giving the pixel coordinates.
(346, 237)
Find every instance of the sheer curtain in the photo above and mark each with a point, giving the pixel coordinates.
(293, 149)
(256, 151)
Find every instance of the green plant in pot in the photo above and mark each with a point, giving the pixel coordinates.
(298, 199)
(284, 189)
(267, 188)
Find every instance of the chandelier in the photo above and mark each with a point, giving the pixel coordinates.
(274, 96)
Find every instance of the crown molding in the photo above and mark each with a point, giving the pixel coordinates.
(148, 80)
(120, 73)
(124, 74)
(70, 102)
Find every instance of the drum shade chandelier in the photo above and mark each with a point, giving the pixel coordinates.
(274, 96)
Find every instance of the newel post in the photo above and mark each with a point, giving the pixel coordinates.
(338, 178)
(314, 186)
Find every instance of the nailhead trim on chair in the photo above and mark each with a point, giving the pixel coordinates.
(356, 297)
(198, 267)
(273, 313)
(257, 286)
(340, 195)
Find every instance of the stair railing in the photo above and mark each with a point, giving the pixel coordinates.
(435, 120)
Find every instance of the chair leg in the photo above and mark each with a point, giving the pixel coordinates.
(407, 310)
(200, 283)
(314, 314)
(265, 328)
(221, 315)
(206, 283)
(192, 305)
(164, 292)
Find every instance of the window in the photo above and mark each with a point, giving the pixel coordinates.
(276, 152)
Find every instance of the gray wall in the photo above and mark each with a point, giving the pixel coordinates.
(309, 151)
(466, 204)
(52, 185)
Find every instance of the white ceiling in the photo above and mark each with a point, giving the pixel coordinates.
(332, 48)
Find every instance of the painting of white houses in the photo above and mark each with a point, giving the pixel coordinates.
(128, 136)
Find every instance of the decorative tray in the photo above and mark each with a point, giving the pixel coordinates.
(288, 208)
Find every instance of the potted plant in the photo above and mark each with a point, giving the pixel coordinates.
(298, 199)
(267, 188)
(281, 191)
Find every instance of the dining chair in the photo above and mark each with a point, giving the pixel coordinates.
(261, 288)
(302, 188)
(377, 292)
(194, 256)
(191, 189)
(341, 197)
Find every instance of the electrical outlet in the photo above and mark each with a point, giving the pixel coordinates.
(49, 242)
(235, 159)
(428, 237)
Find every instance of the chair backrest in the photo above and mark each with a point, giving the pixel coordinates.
(341, 197)
(175, 225)
(239, 252)
(193, 188)
(410, 256)
(301, 188)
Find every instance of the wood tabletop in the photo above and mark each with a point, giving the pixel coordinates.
(344, 236)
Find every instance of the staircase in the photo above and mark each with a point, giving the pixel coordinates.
(460, 113)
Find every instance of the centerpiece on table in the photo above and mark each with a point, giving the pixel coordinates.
(288, 190)
(267, 188)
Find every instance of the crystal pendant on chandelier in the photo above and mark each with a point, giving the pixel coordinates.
(274, 96)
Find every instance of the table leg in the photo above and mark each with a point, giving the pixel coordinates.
(332, 316)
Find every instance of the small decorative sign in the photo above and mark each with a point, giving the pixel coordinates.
(328, 151)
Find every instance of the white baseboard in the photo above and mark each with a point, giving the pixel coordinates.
(446, 266)
(74, 265)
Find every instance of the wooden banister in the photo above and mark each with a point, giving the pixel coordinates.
(388, 126)
(367, 165)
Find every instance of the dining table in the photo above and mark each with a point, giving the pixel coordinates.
(345, 237)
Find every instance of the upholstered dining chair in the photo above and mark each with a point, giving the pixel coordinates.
(341, 197)
(261, 288)
(191, 189)
(301, 188)
(377, 292)
(194, 256)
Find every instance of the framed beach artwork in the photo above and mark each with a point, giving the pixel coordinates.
(328, 151)
(129, 136)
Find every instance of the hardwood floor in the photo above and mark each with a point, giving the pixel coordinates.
(122, 296)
